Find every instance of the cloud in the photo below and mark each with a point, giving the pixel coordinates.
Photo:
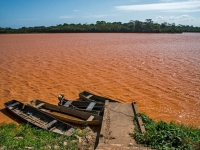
(167, 1)
(184, 6)
(181, 18)
(66, 17)
(75, 10)
(98, 16)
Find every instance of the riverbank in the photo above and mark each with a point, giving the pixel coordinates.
(107, 27)
(158, 135)
(27, 137)
(162, 135)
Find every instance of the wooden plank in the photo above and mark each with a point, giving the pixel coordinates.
(90, 118)
(135, 109)
(139, 119)
(23, 115)
(13, 105)
(89, 96)
(52, 129)
(141, 125)
(91, 106)
(67, 103)
(17, 111)
(69, 132)
(50, 124)
(34, 120)
(40, 105)
(104, 126)
(23, 107)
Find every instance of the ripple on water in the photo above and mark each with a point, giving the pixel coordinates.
(158, 71)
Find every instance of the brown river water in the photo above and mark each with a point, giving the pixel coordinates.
(161, 72)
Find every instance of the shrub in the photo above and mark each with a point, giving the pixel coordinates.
(162, 135)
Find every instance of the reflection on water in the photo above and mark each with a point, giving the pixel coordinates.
(159, 71)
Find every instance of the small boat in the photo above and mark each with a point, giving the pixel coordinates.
(87, 96)
(87, 106)
(67, 114)
(38, 118)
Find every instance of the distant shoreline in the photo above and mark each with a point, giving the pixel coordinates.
(107, 27)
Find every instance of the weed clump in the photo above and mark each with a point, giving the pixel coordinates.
(25, 136)
(162, 135)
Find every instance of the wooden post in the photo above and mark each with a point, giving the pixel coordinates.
(138, 119)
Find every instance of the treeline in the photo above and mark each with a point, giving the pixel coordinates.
(101, 26)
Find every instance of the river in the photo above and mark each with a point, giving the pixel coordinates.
(161, 72)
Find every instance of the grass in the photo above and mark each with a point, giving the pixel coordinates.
(20, 137)
(167, 136)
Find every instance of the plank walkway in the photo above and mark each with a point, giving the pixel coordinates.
(117, 125)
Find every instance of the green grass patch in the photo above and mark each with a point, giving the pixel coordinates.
(162, 135)
(18, 137)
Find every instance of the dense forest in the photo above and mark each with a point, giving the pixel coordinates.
(101, 26)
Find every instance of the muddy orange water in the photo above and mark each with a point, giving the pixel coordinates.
(161, 72)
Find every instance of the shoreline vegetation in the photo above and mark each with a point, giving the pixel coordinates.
(158, 135)
(25, 136)
(166, 136)
(107, 27)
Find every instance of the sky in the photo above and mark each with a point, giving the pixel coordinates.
(30, 13)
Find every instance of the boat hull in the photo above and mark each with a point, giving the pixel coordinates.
(87, 96)
(67, 114)
(38, 118)
(96, 109)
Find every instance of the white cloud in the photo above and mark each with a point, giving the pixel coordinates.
(184, 6)
(66, 17)
(181, 18)
(75, 10)
(167, 1)
(98, 16)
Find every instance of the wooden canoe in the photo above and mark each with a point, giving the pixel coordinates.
(92, 107)
(87, 96)
(38, 118)
(67, 114)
